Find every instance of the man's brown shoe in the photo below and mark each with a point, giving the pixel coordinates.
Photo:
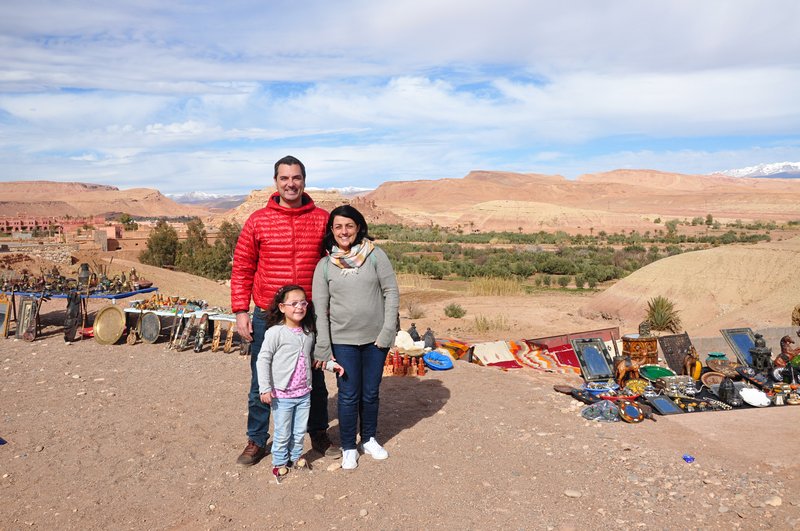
(251, 455)
(321, 443)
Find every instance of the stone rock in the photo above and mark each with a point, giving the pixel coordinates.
(362, 513)
(774, 501)
(570, 493)
(39, 448)
(333, 466)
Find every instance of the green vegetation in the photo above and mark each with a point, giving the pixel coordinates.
(663, 315)
(454, 310)
(128, 223)
(438, 253)
(195, 255)
(162, 244)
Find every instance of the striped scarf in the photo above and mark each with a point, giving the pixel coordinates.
(354, 258)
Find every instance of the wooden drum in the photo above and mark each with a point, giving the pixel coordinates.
(643, 350)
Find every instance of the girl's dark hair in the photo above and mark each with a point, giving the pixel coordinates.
(346, 211)
(275, 317)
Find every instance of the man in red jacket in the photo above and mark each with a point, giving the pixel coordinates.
(279, 244)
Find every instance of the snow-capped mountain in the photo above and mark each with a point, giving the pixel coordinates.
(201, 197)
(774, 169)
(347, 191)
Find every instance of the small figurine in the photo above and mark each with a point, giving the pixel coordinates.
(421, 367)
(787, 352)
(624, 369)
(691, 364)
(430, 341)
(413, 332)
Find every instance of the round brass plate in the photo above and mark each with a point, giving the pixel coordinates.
(150, 327)
(109, 324)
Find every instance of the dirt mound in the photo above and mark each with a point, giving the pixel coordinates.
(732, 286)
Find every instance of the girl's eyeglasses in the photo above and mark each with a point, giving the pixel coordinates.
(296, 304)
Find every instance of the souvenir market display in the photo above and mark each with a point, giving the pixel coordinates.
(87, 282)
(33, 290)
(624, 389)
(183, 324)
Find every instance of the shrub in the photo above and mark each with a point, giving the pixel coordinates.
(488, 324)
(454, 310)
(563, 281)
(663, 315)
(415, 310)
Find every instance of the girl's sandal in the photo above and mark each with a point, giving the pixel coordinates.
(302, 464)
(280, 472)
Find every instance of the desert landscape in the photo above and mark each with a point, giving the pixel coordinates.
(139, 437)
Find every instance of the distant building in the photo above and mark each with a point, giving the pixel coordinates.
(16, 226)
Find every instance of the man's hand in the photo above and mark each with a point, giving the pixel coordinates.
(244, 326)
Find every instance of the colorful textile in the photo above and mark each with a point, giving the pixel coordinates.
(354, 258)
(494, 352)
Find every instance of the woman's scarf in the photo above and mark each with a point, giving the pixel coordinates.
(354, 258)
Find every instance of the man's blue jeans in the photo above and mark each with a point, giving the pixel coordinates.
(290, 416)
(359, 390)
(258, 413)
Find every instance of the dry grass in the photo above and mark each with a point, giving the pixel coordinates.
(412, 280)
(482, 324)
(495, 287)
(414, 308)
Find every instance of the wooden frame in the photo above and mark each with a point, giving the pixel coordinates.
(5, 309)
(741, 340)
(27, 312)
(594, 359)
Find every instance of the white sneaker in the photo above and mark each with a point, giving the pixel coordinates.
(374, 449)
(349, 459)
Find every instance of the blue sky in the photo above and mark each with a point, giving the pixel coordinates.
(205, 96)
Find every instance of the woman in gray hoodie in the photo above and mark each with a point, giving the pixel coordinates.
(357, 301)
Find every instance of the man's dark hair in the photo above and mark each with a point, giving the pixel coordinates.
(290, 161)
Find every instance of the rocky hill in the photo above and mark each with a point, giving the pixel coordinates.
(617, 200)
(47, 198)
(326, 199)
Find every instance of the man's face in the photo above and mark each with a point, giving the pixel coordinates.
(290, 184)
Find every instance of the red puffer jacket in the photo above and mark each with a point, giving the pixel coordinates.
(277, 246)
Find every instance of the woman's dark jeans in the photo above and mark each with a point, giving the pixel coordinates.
(359, 390)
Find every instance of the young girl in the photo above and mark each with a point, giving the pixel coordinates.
(284, 375)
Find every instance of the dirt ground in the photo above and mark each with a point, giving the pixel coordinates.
(140, 437)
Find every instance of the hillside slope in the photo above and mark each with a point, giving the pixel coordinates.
(755, 286)
(47, 198)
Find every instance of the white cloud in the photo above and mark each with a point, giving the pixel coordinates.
(207, 94)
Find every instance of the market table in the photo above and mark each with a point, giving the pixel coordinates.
(42, 296)
(215, 317)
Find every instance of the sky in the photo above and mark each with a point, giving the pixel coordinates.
(206, 95)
